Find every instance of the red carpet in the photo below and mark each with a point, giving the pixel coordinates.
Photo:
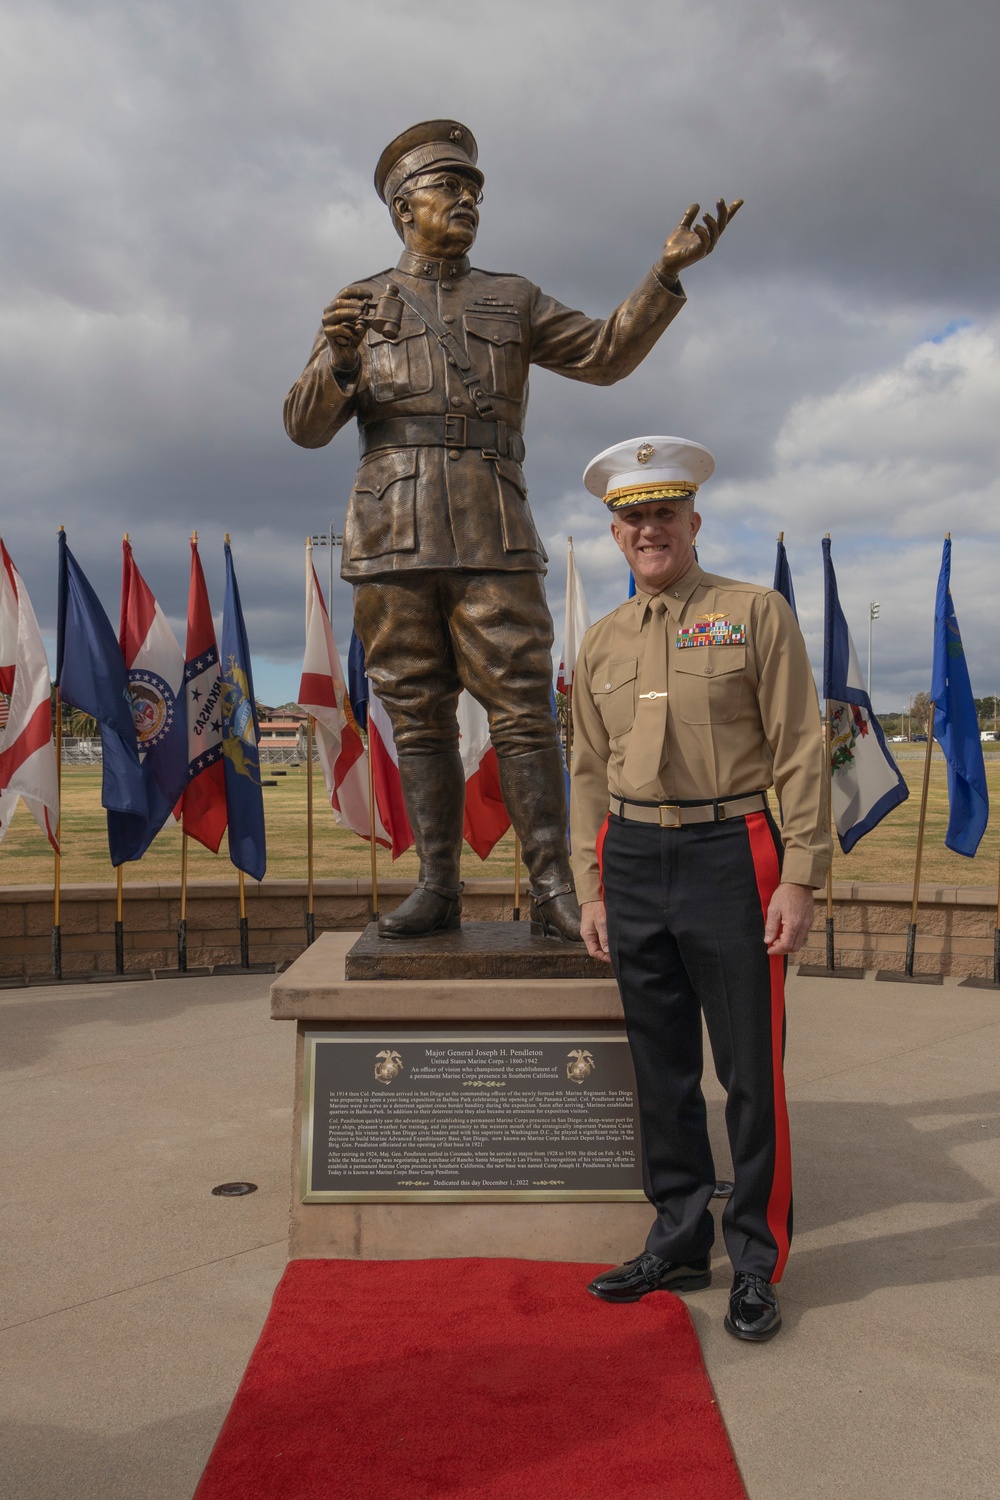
(470, 1380)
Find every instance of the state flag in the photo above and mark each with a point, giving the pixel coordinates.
(28, 766)
(241, 738)
(204, 804)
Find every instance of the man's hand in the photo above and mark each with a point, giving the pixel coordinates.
(594, 929)
(691, 242)
(344, 323)
(789, 918)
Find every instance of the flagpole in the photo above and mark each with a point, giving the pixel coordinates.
(119, 925)
(310, 913)
(517, 878)
(244, 928)
(911, 937)
(831, 961)
(371, 819)
(182, 926)
(57, 874)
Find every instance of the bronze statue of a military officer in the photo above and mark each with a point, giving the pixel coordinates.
(432, 359)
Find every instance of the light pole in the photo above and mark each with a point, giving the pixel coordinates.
(873, 610)
(329, 538)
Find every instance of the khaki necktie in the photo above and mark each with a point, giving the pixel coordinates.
(647, 741)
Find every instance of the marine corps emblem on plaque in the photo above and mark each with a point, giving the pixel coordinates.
(580, 1066)
(388, 1065)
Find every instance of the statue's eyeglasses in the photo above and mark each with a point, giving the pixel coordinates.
(455, 187)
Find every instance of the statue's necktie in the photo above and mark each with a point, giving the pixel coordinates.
(647, 741)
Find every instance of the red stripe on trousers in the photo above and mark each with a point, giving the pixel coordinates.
(600, 852)
(766, 868)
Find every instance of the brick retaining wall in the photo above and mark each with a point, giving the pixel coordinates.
(955, 924)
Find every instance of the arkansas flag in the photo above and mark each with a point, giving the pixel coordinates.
(27, 750)
(486, 817)
(323, 694)
(156, 682)
(204, 810)
(577, 623)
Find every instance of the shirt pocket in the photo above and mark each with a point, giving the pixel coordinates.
(613, 691)
(401, 366)
(708, 684)
(494, 345)
(381, 517)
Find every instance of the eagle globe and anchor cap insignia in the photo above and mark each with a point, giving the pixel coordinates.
(644, 453)
(388, 1065)
(153, 705)
(580, 1065)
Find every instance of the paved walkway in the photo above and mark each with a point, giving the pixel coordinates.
(131, 1297)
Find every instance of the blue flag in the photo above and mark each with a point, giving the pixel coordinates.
(357, 681)
(240, 736)
(783, 577)
(956, 725)
(91, 675)
(865, 781)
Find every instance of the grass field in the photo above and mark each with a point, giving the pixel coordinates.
(887, 854)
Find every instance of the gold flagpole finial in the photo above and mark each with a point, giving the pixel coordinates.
(125, 537)
(227, 538)
(194, 537)
(781, 536)
(61, 527)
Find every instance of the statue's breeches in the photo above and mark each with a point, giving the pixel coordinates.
(429, 635)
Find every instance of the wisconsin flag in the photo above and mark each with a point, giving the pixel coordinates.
(156, 682)
(240, 738)
(956, 724)
(204, 810)
(323, 694)
(865, 782)
(91, 674)
(27, 748)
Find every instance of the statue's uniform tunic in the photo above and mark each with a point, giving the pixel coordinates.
(439, 541)
(686, 904)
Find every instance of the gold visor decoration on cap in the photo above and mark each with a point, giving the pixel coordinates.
(642, 494)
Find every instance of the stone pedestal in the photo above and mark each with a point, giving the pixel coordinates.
(315, 992)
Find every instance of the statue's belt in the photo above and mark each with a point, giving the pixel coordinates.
(496, 439)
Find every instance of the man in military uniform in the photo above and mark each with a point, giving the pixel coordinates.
(432, 359)
(689, 702)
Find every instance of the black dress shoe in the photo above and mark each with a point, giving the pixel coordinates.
(427, 909)
(753, 1313)
(648, 1273)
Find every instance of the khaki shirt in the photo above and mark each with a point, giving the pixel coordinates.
(742, 715)
(435, 507)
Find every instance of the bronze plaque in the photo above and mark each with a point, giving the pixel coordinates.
(457, 1115)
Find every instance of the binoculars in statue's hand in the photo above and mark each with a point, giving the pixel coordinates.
(388, 313)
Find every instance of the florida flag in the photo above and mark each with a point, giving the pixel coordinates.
(156, 682)
(486, 817)
(27, 750)
(577, 623)
(865, 782)
(204, 810)
(323, 694)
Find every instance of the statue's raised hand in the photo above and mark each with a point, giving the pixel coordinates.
(691, 242)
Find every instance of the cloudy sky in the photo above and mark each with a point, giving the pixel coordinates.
(185, 185)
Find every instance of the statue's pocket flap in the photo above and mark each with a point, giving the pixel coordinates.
(495, 330)
(381, 470)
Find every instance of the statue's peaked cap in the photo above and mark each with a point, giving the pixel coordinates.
(422, 148)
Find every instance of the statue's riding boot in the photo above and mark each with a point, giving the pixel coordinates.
(534, 790)
(434, 792)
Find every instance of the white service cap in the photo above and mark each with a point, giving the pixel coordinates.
(644, 469)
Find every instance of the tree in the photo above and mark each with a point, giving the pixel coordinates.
(920, 712)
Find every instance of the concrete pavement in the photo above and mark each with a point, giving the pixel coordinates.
(131, 1298)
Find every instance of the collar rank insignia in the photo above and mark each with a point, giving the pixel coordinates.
(712, 630)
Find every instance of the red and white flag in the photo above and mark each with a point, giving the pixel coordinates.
(385, 775)
(486, 817)
(323, 694)
(577, 623)
(27, 748)
(156, 682)
(204, 802)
